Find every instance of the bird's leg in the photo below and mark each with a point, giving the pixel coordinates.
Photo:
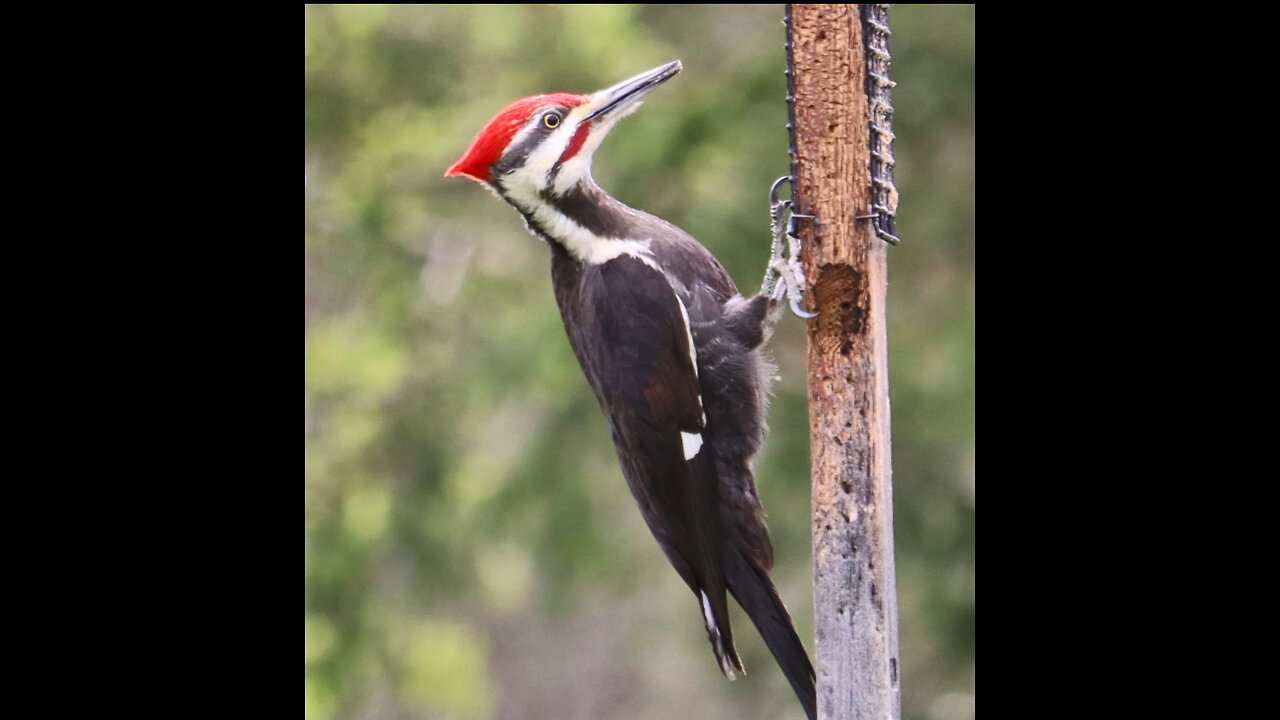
(791, 281)
(777, 230)
(783, 277)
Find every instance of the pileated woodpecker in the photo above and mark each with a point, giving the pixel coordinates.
(670, 348)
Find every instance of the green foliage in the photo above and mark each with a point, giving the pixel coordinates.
(470, 548)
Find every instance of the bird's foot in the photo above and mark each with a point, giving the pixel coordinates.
(790, 284)
(783, 276)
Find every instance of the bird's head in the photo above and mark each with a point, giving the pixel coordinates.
(543, 144)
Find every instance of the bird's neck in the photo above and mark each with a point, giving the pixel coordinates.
(586, 221)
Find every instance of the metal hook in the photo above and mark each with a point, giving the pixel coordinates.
(773, 191)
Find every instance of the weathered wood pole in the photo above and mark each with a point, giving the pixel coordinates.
(855, 596)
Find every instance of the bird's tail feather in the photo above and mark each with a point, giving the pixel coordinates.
(755, 592)
(721, 639)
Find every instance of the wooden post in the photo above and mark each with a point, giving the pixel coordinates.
(855, 596)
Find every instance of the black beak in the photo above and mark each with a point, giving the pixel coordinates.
(623, 96)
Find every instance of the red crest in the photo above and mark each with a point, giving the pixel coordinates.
(494, 137)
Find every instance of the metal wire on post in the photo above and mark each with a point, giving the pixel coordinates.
(791, 101)
(875, 21)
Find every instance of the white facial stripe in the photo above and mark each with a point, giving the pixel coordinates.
(530, 125)
(543, 157)
(579, 166)
(546, 155)
(576, 167)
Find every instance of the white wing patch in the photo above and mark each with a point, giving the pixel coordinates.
(692, 444)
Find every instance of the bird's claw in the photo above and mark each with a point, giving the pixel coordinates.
(790, 283)
(783, 276)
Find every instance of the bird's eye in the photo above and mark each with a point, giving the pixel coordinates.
(551, 120)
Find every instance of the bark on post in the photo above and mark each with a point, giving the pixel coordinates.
(855, 596)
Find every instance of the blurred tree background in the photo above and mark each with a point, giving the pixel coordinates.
(470, 548)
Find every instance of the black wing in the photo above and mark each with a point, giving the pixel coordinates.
(630, 334)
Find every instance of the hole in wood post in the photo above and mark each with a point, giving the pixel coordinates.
(841, 296)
